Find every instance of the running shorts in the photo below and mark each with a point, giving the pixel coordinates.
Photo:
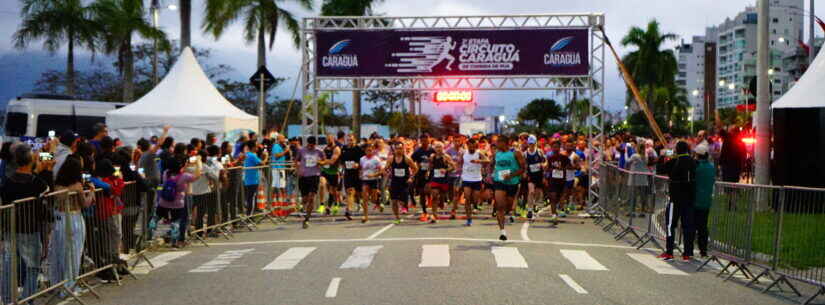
(372, 184)
(308, 185)
(443, 187)
(351, 181)
(476, 186)
(332, 180)
(510, 189)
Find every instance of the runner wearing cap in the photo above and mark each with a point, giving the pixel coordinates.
(535, 175)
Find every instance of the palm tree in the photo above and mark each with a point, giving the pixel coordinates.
(58, 22)
(121, 21)
(259, 17)
(649, 65)
(351, 8)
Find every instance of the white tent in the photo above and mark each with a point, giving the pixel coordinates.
(809, 91)
(186, 100)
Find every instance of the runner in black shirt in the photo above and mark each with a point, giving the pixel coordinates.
(401, 170)
(421, 157)
(350, 158)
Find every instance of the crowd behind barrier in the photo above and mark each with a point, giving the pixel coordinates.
(54, 248)
(759, 231)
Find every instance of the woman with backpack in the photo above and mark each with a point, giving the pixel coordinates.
(171, 204)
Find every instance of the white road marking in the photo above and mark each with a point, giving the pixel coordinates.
(161, 260)
(384, 229)
(290, 258)
(361, 257)
(351, 240)
(332, 290)
(509, 257)
(524, 231)
(582, 260)
(221, 261)
(570, 282)
(435, 256)
(655, 264)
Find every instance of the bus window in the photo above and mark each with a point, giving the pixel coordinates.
(16, 123)
(82, 125)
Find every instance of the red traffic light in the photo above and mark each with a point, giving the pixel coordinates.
(453, 96)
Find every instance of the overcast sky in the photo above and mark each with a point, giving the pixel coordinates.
(684, 18)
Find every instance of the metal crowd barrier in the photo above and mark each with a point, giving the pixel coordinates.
(773, 228)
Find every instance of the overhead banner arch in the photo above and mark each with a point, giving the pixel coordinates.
(457, 53)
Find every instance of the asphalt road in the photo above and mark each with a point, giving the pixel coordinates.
(339, 262)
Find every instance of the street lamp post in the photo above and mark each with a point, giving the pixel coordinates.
(763, 102)
(154, 9)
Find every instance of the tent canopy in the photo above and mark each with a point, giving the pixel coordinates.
(186, 100)
(809, 91)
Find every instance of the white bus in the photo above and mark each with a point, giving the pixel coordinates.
(36, 115)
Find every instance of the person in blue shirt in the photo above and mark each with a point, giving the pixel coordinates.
(251, 176)
(280, 150)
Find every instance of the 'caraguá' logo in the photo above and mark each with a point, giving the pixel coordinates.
(335, 59)
(558, 57)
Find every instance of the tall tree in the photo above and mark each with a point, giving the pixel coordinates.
(185, 7)
(351, 8)
(649, 65)
(58, 22)
(121, 21)
(260, 17)
(541, 111)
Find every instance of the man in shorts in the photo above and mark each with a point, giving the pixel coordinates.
(555, 174)
(308, 162)
(472, 163)
(329, 174)
(280, 150)
(421, 157)
(455, 150)
(351, 157)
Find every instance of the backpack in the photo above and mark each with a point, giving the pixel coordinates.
(170, 189)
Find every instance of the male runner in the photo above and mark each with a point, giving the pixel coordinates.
(441, 164)
(308, 162)
(556, 165)
(535, 176)
(350, 158)
(421, 157)
(472, 161)
(455, 151)
(509, 166)
(330, 174)
(402, 170)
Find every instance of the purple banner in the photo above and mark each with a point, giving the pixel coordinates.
(452, 52)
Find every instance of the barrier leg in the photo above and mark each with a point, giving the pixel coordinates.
(784, 279)
(818, 293)
(707, 261)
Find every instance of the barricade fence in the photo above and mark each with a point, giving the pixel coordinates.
(776, 229)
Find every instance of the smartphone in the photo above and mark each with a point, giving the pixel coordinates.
(51, 134)
(86, 177)
(225, 159)
(44, 156)
(141, 171)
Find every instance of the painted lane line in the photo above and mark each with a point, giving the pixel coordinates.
(361, 257)
(482, 240)
(582, 260)
(524, 231)
(570, 282)
(221, 261)
(332, 290)
(508, 257)
(159, 261)
(384, 229)
(435, 256)
(655, 264)
(290, 258)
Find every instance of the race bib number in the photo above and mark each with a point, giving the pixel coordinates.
(473, 171)
(571, 174)
(311, 161)
(535, 168)
(400, 172)
(557, 174)
(503, 174)
(325, 166)
(350, 164)
(439, 173)
(425, 165)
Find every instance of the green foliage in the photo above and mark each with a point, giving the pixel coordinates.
(348, 7)
(733, 117)
(407, 124)
(540, 112)
(258, 17)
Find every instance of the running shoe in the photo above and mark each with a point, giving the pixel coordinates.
(494, 213)
(348, 215)
(404, 210)
(665, 257)
(398, 221)
(328, 211)
(512, 219)
(423, 217)
(335, 209)
(305, 224)
(452, 215)
(523, 213)
(321, 209)
(433, 219)
(686, 258)
(530, 215)
(469, 223)
(502, 237)
(364, 220)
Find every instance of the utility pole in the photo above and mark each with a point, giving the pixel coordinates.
(763, 99)
(154, 9)
(812, 20)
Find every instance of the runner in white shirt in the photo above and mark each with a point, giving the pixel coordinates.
(472, 161)
(371, 170)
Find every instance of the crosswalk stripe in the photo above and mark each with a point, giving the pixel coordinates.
(435, 256)
(332, 290)
(159, 261)
(655, 264)
(582, 260)
(221, 261)
(570, 282)
(290, 258)
(361, 257)
(508, 257)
